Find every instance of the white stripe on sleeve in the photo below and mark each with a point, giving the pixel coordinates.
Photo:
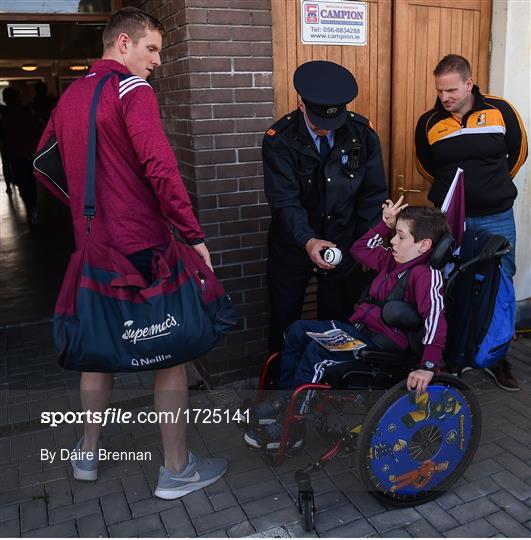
(437, 305)
(132, 87)
(128, 82)
(375, 241)
(319, 370)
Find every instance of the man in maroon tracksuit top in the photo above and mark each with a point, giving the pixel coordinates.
(139, 192)
(305, 360)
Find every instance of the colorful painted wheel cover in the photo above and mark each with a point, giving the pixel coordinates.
(419, 442)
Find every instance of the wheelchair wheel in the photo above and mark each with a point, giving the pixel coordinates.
(306, 507)
(413, 449)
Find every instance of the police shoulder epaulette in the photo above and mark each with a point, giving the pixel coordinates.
(356, 117)
(280, 125)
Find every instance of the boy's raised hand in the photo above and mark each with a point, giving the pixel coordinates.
(391, 210)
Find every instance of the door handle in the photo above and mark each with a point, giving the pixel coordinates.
(401, 188)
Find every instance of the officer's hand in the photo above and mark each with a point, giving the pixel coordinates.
(419, 379)
(314, 246)
(203, 252)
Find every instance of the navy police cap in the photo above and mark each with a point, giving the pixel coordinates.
(325, 88)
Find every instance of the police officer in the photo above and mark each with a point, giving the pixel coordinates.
(325, 184)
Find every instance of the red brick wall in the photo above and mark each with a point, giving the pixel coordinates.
(216, 98)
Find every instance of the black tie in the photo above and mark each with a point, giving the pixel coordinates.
(324, 147)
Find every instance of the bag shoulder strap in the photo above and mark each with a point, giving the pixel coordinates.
(397, 292)
(90, 176)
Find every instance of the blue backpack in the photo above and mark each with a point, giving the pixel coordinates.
(480, 303)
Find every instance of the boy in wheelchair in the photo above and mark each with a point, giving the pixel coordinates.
(403, 266)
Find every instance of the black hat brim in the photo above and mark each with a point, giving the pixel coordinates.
(329, 123)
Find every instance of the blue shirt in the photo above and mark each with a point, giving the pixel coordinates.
(315, 137)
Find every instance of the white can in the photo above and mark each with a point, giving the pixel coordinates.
(332, 256)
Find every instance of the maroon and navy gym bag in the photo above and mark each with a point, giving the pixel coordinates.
(109, 318)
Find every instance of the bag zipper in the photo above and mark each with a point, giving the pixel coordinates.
(202, 281)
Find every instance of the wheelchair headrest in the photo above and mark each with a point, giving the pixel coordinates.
(442, 252)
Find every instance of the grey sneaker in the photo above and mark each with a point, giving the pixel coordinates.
(199, 473)
(85, 468)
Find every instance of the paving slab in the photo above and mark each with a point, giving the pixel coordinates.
(422, 529)
(355, 529)
(473, 510)
(78, 510)
(479, 528)
(177, 523)
(10, 528)
(7, 513)
(216, 520)
(393, 518)
(267, 505)
(507, 525)
(476, 489)
(136, 526)
(399, 532)
(115, 508)
(510, 504)
(437, 516)
(513, 485)
(92, 526)
(33, 515)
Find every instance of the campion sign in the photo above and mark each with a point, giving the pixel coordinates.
(334, 23)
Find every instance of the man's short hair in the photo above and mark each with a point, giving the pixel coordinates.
(131, 21)
(453, 63)
(425, 222)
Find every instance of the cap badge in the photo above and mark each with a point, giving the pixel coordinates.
(331, 110)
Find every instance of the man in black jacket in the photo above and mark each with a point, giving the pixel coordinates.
(484, 136)
(325, 184)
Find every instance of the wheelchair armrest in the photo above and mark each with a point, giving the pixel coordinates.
(405, 359)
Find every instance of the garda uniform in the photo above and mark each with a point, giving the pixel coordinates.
(335, 198)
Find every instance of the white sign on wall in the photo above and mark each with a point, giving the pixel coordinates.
(330, 22)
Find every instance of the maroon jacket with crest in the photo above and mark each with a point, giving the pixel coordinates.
(139, 189)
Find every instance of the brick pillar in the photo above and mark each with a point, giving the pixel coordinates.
(216, 98)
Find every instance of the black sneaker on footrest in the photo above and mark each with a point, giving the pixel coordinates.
(264, 413)
(268, 436)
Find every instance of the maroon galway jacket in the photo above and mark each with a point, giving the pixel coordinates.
(139, 189)
(424, 289)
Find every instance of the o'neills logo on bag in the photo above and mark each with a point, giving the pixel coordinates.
(149, 332)
(146, 361)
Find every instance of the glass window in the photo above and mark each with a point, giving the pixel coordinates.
(55, 6)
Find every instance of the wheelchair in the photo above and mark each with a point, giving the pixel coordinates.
(407, 449)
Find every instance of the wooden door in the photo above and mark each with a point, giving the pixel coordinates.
(370, 64)
(423, 32)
